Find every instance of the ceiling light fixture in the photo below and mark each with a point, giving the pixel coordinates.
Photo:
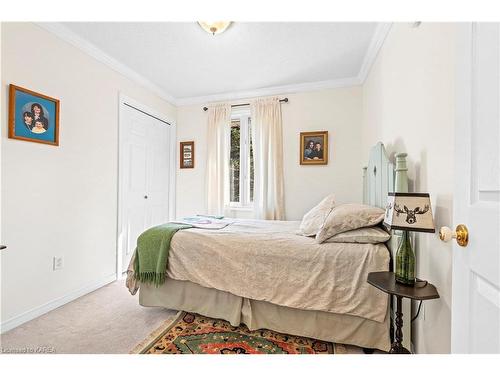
(214, 27)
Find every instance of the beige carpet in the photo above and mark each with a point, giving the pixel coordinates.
(108, 320)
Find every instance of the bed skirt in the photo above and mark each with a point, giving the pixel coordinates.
(337, 328)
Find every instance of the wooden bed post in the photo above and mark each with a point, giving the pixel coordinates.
(401, 179)
(401, 186)
(379, 178)
(365, 187)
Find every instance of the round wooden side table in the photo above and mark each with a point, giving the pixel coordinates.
(386, 281)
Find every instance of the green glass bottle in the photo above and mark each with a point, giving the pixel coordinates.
(405, 261)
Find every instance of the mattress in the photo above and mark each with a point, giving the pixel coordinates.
(267, 261)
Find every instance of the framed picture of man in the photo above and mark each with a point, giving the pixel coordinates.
(33, 117)
(314, 148)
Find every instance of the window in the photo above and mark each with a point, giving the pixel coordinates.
(241, 168)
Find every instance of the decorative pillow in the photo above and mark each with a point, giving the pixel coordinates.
(314, 219)
(362, 235)
(345, 217)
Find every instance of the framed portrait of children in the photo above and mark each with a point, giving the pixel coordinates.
(33, 117)
(187, 154)
(314, 148)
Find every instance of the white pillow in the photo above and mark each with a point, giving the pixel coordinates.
(314, 219)
(345, 217)
(362, 235)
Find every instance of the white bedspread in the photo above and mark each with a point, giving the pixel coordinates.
(267, 261)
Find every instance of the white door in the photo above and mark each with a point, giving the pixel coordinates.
(145, 162)
(1, 140)
(476, 267)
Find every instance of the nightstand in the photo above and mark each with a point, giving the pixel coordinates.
(386, 282)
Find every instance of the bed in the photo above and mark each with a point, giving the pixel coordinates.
(263, 274)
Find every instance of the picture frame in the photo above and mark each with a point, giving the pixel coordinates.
(33, 117)
(187, 154)
(313, 148)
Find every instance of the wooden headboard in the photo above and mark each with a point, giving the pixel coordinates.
(379, 178)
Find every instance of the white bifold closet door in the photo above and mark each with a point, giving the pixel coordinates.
(145, 176)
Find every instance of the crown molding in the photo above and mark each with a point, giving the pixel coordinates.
(274, 90)
(381, 32)
(90, 49)
(376, 43)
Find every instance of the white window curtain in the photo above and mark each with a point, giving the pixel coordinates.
(267, 140)
(219, 120)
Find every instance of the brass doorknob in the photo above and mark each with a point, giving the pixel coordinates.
(461, 234)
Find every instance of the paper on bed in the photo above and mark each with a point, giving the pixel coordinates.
(204, 222)
(211, 216)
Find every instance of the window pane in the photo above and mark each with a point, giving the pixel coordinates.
(251, 159)
(234, 162)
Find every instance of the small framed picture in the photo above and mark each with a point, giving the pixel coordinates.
(314, 148)
(33, 117)
(187, 154)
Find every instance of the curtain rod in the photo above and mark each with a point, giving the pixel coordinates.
(284, 100)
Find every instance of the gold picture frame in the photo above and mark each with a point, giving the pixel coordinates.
(33, 117)
(313, 148)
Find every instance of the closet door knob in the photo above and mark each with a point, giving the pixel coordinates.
(2, 247)
(145, 197)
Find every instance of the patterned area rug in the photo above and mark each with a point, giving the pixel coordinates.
(195, 334)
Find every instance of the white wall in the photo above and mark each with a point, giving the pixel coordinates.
(60, 200)
(191, 185)
(335, 110)
(408, 103)
(1, 136)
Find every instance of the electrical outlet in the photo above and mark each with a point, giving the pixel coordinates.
(58, 263)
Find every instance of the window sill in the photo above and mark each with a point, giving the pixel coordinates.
(239, 208)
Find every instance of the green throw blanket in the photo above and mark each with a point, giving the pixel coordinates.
(152, 253)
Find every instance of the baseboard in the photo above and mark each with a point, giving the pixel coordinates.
(54, 304)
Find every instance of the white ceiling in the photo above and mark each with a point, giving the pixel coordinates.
(185, 62)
